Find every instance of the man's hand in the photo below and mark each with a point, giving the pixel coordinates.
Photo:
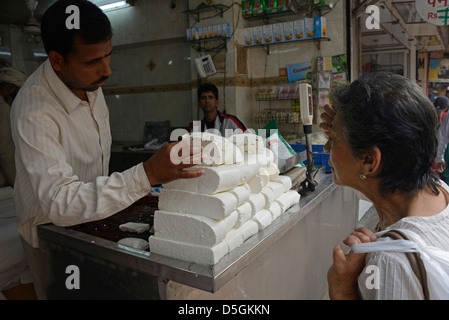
(169, 163)
(342, 275)
(327, 116)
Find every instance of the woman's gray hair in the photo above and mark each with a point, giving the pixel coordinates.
(392, 113)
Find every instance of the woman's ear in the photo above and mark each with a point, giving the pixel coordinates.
(56, 60)
(371, 161)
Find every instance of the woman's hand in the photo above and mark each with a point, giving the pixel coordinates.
(327, 116)
(343, 274)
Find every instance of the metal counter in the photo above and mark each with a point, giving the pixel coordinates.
(108, 270)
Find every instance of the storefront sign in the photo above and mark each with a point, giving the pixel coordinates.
(434, 11)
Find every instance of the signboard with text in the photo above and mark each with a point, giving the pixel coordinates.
(434, 11)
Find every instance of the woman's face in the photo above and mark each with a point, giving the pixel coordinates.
(346, 168)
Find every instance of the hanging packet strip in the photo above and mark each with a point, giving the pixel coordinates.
(436, 261)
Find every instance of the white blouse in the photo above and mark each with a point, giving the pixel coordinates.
(397, 280)
(62, 157)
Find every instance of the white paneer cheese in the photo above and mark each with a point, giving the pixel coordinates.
(218, 149)
(215, 206)
(269, 196)
(257, 202)
(241, 193)
(244, 211)
(285, 180)
(263, 218)
(288, 199)
(248, 229)
(135, 243)
(192, 228)
(188, 252)
(248, 143)
(275, 210)
(259, 181)
(216, 179)
(134, 227)
(234, 239)
(277, 188)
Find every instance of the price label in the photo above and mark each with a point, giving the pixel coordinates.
(434, 11)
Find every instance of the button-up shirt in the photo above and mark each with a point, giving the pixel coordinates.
(62, 157)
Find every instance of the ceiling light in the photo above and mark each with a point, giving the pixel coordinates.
(108, 5)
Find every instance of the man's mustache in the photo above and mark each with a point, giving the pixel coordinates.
(101, 80)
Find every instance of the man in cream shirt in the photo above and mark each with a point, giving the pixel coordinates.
(60, 125)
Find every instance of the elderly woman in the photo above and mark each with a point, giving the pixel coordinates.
(382, 141)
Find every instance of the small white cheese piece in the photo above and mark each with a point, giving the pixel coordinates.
(277, 188)
(249, 228)
(285, 180)
(136, 243)
(257, 202)
(134, 227)
(288, 199)
(263, 218)
(269, 196)
(241, 193)
(234, 239)
(275, 210)
(245, 212)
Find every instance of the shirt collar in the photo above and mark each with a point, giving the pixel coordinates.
(68, 99)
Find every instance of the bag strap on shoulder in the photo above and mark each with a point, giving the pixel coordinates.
(415, 261)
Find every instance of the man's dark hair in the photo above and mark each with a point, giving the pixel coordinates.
(95, 26)
(392, 113)
(206, 87)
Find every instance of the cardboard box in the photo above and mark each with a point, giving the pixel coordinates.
(298, 27)
(309, 28)
(267, 34)
(248, 36)
(339, 63)
(278, 32)
(299, 71)
(195, 33)
(320, 27)
(288, 30)
(257, 35)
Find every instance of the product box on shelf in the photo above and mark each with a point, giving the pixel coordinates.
(247, 9)
(288, 30)
(267, 34)
(281, 6)
(270, 6)
(320, 27)
(298, 27)
(278, 32)
(226, 30)
(248, 36)
(309, 28)
(257, 35)
(195, 33)
(189, 34)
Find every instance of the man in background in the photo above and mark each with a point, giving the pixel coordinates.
(213, 118)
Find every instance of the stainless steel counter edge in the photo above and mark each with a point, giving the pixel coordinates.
(208, 278)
